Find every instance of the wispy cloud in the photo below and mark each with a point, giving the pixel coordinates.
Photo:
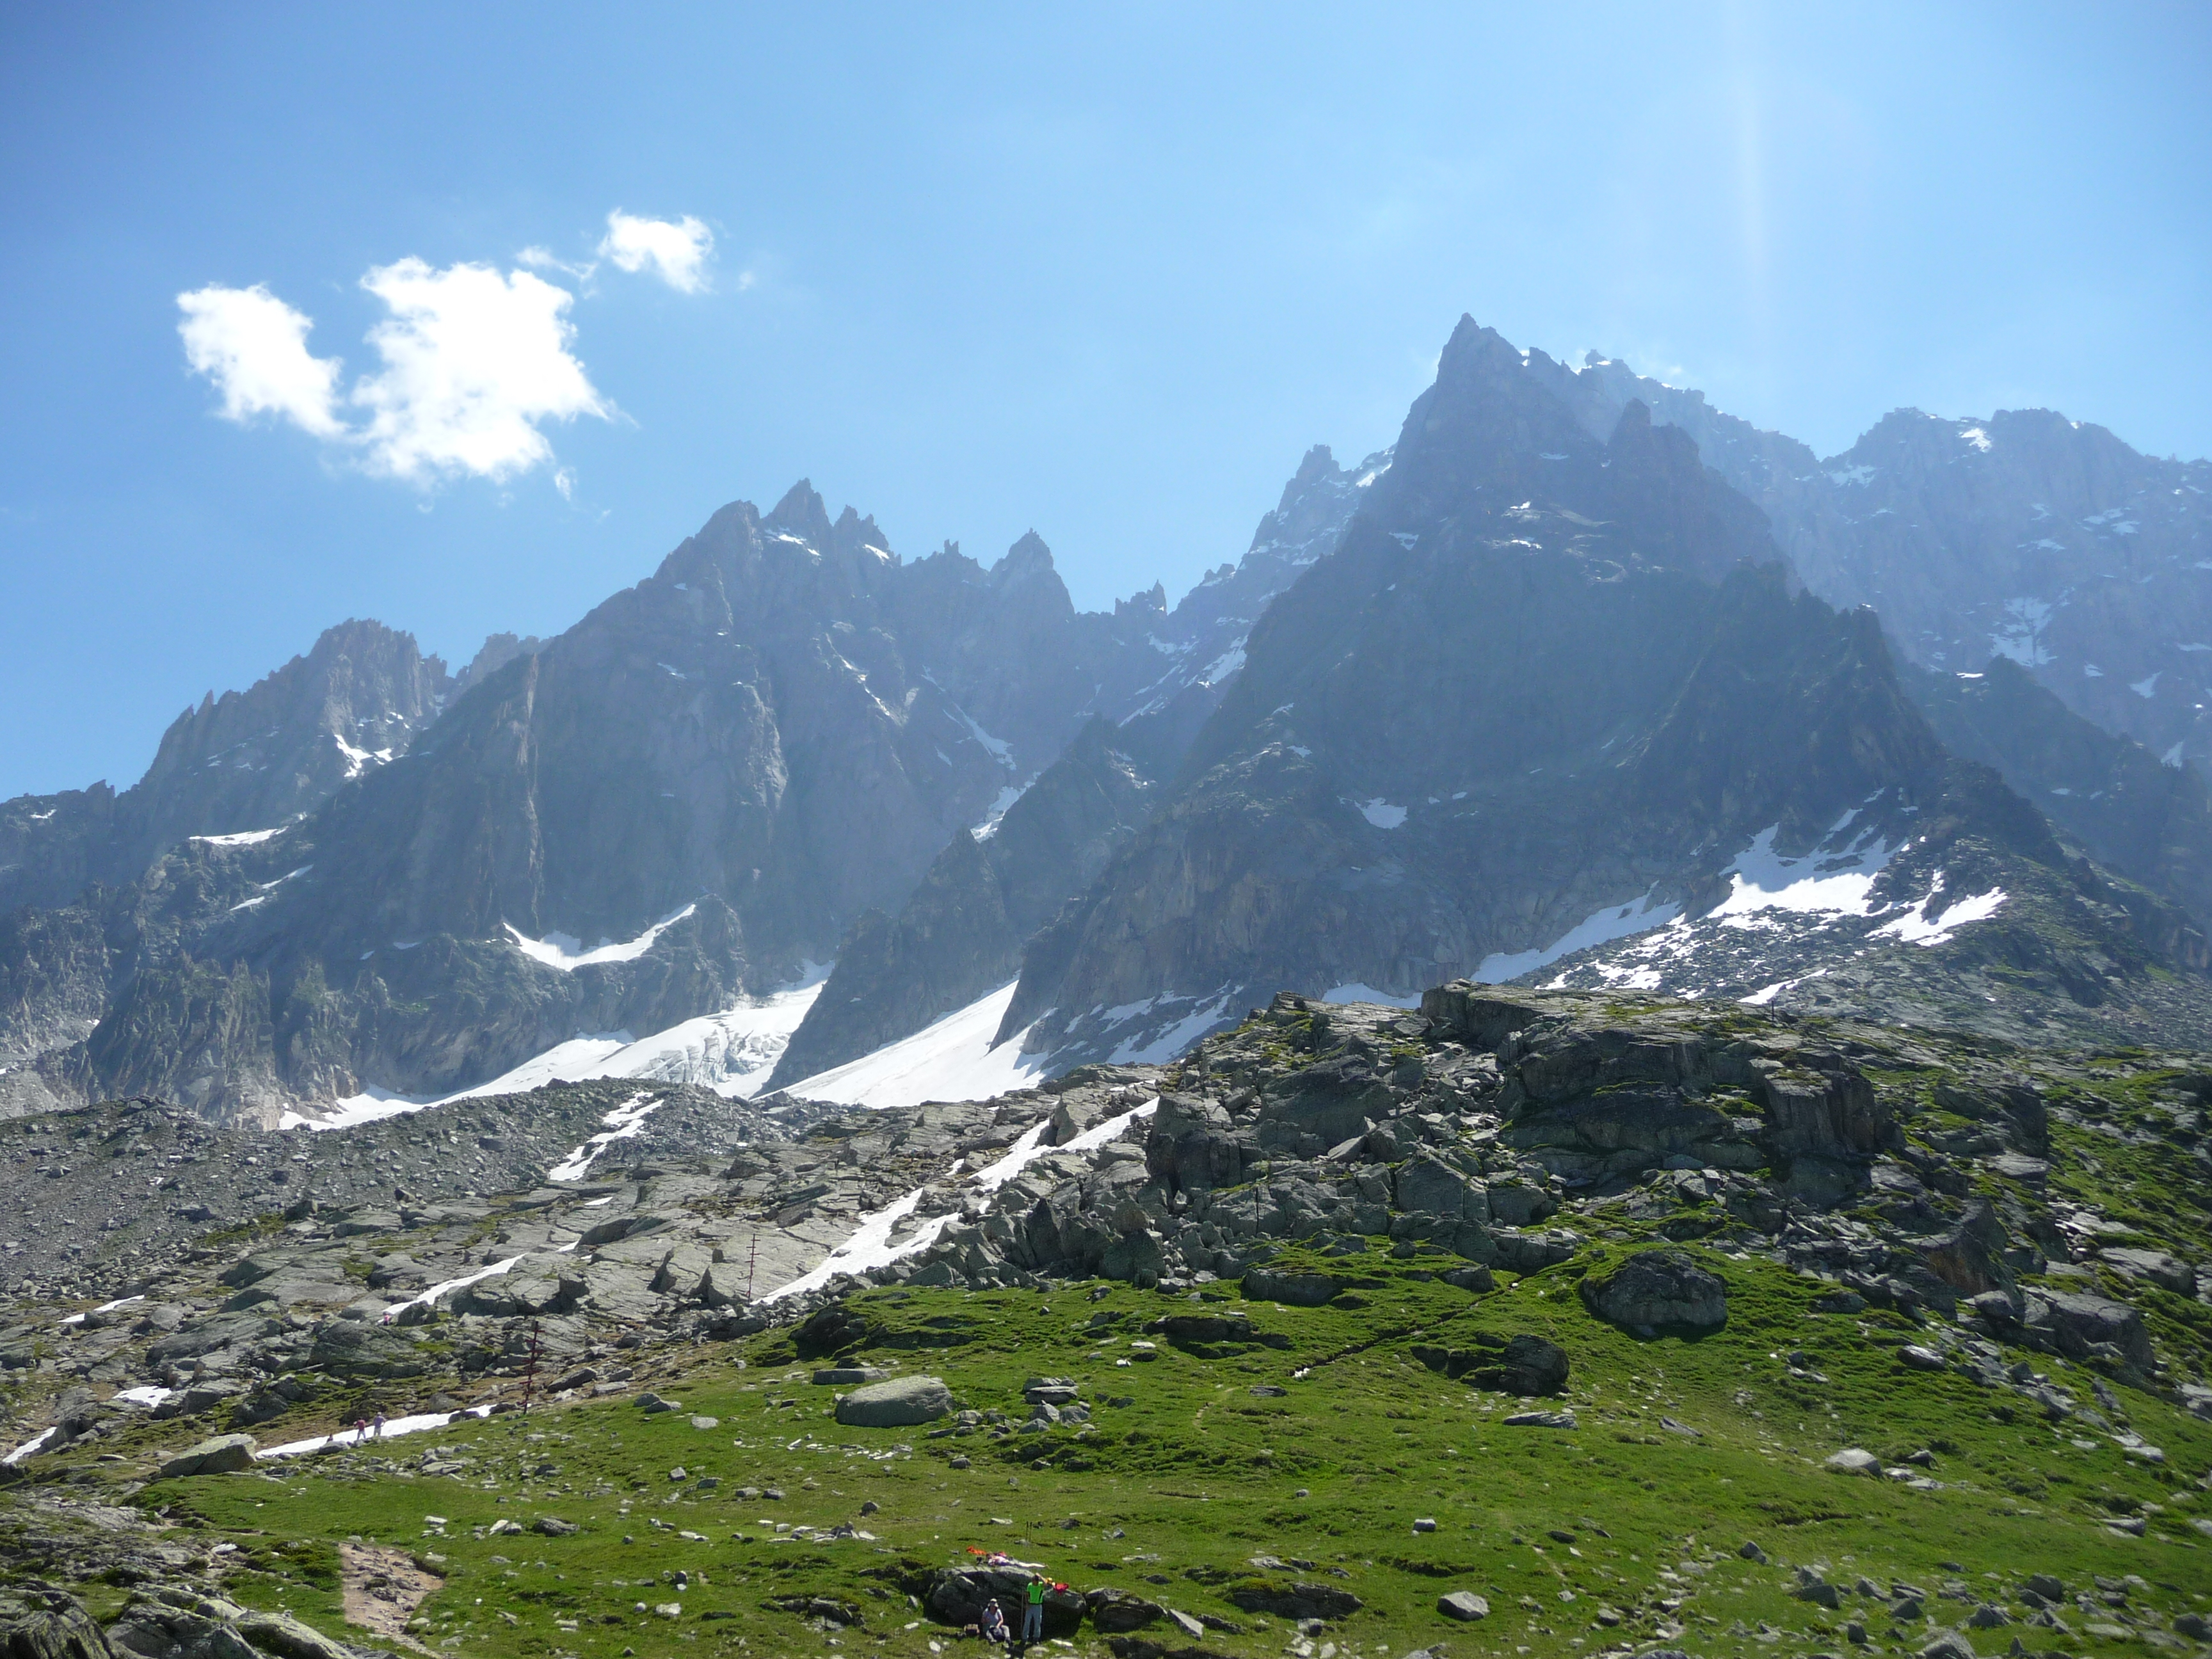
(675, 250)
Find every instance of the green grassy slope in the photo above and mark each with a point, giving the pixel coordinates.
(1621, 1531)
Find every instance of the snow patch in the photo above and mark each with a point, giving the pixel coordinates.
(567, 952)
(731, 1053)
(30, 1448)
(1851, 475)
(1171, 1042)
(2019, 634)
(1915, 927)
(2146, 688)
(1380, 813)
(623, 1123)
(1001, 805)
(871, 1244)
(242, 837)
(1977, 438)
(393, 1428)
(1601, 926)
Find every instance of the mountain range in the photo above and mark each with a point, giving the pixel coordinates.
(1577, 681)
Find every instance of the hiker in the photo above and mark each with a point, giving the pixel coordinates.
(379, 1425)
(1033, 1613)
(360, 1430)
(995, 1622)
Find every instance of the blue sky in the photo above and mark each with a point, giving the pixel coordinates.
(1102, 271)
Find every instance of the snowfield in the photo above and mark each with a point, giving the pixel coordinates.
(952, 1060)
(731, 1053)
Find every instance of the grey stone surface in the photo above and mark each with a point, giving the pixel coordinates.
(903, 1402)
(226, 1453)
(1659, 1289)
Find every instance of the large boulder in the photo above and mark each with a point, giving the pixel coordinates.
(348, 1347)
(902, 1403)
(1293, 1290)
(1659, 1290)
(1521, 1366)
(1430, 1186)
(1192, 1145)
(48, 1624)
(1114, 1612)
(2082, 1326)
(227, 1454)
(1295, 1600)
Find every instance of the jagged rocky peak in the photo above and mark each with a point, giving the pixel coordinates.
(244, 762)
(1144, 606)
(853, 534)
(801, 513)
(495, 654)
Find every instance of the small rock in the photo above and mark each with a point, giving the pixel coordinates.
(1188, 1625)
(1948, 1645)
(706, 1422)
(1919, 1358)
(1425, 1524)
(1854, 1460)
(1464, 1605)
(2050, 1588)
(553, 1526)
(1751, 1552)
(1988, 1616)
(1541, 1420)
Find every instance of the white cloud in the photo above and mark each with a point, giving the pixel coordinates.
(254, 348)
(472, 362)
(675, 249)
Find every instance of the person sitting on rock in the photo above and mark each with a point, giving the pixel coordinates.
(994, 1621)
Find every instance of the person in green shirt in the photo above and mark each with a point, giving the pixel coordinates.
(1033, 1613)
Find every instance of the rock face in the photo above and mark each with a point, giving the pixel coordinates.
(1384, 798)
(2023, 535)
(960, 934)
(903, 1402)
(1659, 1289)
(49, 1625)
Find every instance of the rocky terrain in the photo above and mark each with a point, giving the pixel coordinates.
(1923, 1318)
